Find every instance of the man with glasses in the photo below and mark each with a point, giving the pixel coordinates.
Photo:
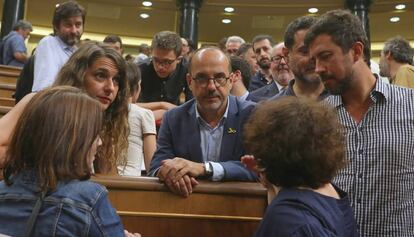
(203, 137)
(163, 75)
(281, 75)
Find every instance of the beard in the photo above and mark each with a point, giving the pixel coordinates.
(342, 85)
(70, 39)
(264, 64)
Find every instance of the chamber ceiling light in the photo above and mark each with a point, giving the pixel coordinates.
(144, 15)
(400, 6)
(395, 19)
(313, 10)
(229, 9)
(226, 21)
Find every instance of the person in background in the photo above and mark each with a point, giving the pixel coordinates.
(14, 51)
(246, 52)
(396, 62)
(53, 51)
(143, 53)
(262, 46)
(299, 148)
(50, 161)
(115, 42)
(242, 75)
(141, 139)
(233, 44)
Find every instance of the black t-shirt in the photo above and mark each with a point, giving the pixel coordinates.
(154, 88)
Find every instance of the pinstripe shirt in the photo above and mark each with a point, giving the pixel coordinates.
(379, 176)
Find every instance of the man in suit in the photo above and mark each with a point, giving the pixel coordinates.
(281, 75)
(203, 137)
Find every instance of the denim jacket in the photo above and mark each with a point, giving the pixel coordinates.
(75, 208)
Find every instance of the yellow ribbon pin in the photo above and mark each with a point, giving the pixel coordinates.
(231, 130)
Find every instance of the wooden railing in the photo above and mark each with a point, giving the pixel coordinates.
(213, 209)
(8, 79)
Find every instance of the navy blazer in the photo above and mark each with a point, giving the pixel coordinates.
(263, 93)
(179, 136)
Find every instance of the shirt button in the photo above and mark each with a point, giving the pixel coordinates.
(360, 151)
(359, 200)
(360, 175)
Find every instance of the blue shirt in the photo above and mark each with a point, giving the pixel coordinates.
(51, 54)
(299, 212)
(211, 142)
(75, 208)
(13, 43)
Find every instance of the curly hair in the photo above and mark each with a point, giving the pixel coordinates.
(296, 142)
(53, 140)
(167, 40)
(115, 129)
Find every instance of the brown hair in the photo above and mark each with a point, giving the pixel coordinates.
(296, 142)
(53, 137)
(66, 10)
(115, 130)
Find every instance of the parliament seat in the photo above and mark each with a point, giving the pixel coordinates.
(213, 209)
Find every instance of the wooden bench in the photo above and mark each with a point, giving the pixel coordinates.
(9, 74)
(7, 102)
(213, 209)
(7, 90)
(4, 110)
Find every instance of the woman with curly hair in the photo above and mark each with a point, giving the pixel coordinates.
(298, 147)
(101, 72)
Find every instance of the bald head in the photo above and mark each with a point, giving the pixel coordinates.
(213, 53)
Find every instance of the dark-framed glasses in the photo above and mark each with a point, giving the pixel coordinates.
(277, 59)
(163, 62)
(203, 81)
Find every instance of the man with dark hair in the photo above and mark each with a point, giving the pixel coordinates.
(299, 148)
(242, 75)
(143, 53)
(163, 75)
(114, 42)
(396, 62)
(262, 45)
(203, 137)
(14, 51)
(246, 52)
(54, 50)
(281, 75)
(378, 123)
(306, 82)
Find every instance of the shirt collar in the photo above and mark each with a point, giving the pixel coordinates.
(221, 119)
(380, 91)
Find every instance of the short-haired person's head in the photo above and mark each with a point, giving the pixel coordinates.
(259, 38)
(244, 67)
(66, 10)
(400, 50)
(22, 24)
(115, 42)
(296, 142)
(68, 22)
(23, 28)
(344, 28)
(301, 23)
(243, 49)
(233, 44)
(203, 49)
(167, 40)
(133, 75)
(55, 141)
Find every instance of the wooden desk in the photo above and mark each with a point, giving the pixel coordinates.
(213, 209)
(9, 74)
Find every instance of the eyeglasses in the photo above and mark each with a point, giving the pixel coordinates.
(277, 59)
(164, 62)
(204, 81)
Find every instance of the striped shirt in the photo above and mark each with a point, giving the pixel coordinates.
(379, 176)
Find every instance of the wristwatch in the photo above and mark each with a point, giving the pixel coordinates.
(208, 169)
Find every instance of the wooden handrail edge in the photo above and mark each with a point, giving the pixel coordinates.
(189, 216)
